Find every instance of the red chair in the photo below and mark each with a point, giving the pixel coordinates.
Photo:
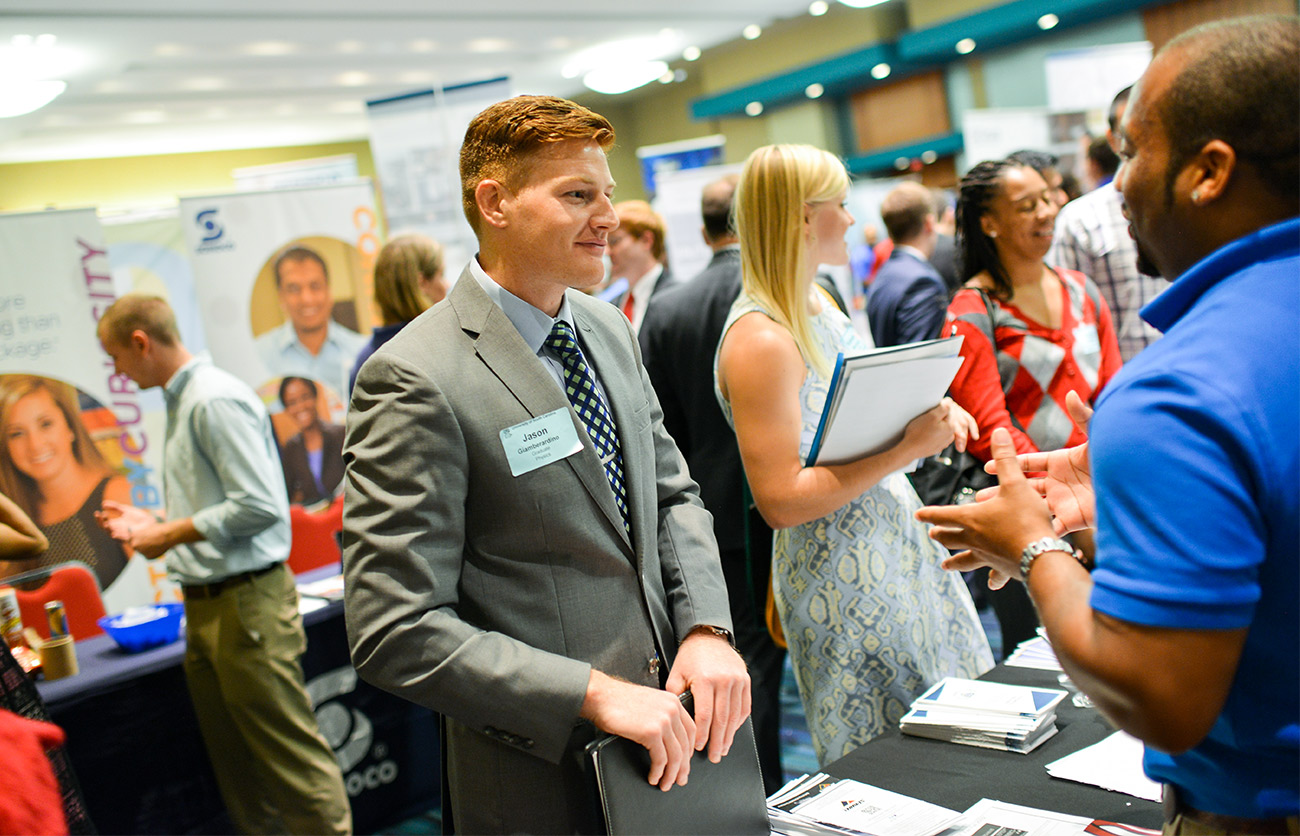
(313, 536)
(72, 583)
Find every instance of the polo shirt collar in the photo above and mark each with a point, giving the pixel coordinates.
(1280, 240)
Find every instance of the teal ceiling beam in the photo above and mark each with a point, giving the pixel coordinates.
(836, 75)
(914, 52)
(886, 159)
(1005, 25)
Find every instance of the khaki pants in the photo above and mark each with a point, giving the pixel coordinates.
(275, 771)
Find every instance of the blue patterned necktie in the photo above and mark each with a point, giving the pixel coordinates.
(580, 387)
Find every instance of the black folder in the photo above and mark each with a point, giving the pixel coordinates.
(725, 797)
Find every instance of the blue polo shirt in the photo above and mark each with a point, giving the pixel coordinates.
(1196, 462)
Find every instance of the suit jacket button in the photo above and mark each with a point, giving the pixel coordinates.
(654, 665)
(528, 743)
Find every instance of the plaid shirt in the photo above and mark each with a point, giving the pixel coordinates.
(1092, 237)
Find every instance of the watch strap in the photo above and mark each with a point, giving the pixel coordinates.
(1043, 545)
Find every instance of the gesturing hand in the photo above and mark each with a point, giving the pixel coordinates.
(993, 531)
(1066, 482)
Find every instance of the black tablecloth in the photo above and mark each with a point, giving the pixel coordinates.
(956, 776)
(135, 744)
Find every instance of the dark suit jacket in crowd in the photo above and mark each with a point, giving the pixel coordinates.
(907, 302)
(666, 282)
(944, 259)
(489, 597)
(297, 472)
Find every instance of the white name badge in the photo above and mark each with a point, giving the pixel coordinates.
(1086, 341)
(540, 441)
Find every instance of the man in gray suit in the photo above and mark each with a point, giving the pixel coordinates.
(533, 571)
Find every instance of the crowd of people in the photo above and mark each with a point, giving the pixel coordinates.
(522, 450)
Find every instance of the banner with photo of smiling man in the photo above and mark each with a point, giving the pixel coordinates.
(283, 280)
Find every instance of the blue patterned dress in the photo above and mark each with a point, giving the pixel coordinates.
(871, 618)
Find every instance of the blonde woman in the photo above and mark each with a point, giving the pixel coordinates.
(871, 618)
(409, 277)
(54, 472)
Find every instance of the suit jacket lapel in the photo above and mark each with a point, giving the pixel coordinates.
(499, 346)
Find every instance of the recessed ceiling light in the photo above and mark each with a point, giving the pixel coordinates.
(170, 50)
(862, 4)
(666, 78)
(46, 40)
(353, 78)
(752, 31)
(814, 91)
(1047, 21)
(203, 83)
(417, 77)
(346, 108)
(928, 157)
(691, 53)
(489, 45)
(966, 45)
(270, 48)
(679, 74)
(881, 70)
(754, 108)
(423, 45)
(350, 47)
(818, 8)
(144, 117)
(902, 163)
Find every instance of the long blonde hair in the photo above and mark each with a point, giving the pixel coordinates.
(775, 185)
(16, 484)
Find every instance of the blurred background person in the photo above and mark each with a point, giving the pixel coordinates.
(312, 458)
(908, 300)
(1052, 329)
(409, 277)
(637, 254)
(1048, 166)
(42, 792)
(1101, 163)
(870, 617)
(54, 472)
(944, 257)
(1092, 236)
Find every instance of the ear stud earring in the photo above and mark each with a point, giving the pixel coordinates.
(1196, 197)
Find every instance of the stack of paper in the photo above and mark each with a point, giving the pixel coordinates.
(1013, 718)
(813, 805)
(1034, 653)
(1113, 764)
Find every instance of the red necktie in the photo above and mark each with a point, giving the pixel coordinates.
(627, 306)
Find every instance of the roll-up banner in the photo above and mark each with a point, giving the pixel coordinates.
(74, 433)
(283, 280)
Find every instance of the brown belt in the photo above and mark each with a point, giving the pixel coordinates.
(212, 590)
(1174, 807)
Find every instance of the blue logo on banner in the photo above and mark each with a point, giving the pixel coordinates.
(212, 231)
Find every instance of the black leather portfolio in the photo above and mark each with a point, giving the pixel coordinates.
(725, 797)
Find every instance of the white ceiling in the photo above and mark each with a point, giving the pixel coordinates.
(164, 76)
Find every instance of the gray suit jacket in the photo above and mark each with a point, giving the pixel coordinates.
(489, 597)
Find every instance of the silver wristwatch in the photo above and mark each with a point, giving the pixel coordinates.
(1034, 549)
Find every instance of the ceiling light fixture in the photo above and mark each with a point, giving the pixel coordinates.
(881, 70)
(814, 90)
(966, 46)
(620, 78)
(818, 8)
(1047, 21)
(691, 53)
(752, 31)
(17, 98)
(863, 4)
(270, 48)
(754, 108)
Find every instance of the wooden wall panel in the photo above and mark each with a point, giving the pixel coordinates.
(906, 110)
(1164, 23)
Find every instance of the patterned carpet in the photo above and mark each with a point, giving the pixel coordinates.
(797, 755)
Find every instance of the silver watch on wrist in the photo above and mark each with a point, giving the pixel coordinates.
(1046, 544)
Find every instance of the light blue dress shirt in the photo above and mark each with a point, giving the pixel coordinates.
(221, 469)
(283, 355)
